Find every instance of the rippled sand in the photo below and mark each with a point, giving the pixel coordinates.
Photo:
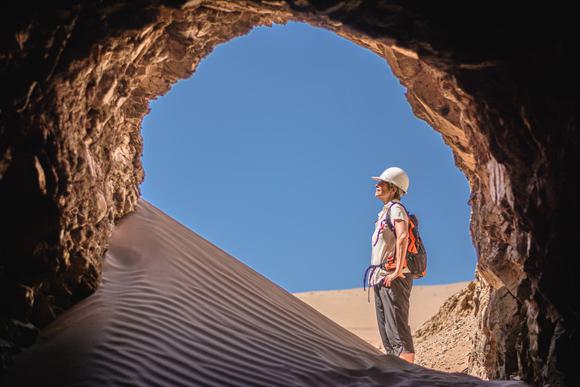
(175, 310)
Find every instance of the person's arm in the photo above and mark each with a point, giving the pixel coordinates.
(402, 244)
(401, 231)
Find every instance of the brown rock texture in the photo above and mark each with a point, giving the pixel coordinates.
(500, 85)
(447, 341)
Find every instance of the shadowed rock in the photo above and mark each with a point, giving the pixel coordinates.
(499, 85)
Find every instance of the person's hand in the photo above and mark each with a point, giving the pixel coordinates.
(391, 277)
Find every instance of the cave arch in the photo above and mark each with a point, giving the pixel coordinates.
(269, 122)
(78, 82)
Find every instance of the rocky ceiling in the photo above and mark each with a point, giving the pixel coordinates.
(500, 85)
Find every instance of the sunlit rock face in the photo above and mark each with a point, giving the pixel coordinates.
(500, 87)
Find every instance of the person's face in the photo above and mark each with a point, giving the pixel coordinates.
(383, 192)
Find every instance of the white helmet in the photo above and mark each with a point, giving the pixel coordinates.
(395, 176)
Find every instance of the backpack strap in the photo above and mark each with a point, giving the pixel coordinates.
(390, 224)
(388, 216)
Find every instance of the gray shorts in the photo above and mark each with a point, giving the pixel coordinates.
(392, 306)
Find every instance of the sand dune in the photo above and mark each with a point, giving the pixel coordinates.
(351, 310)
(175, 310)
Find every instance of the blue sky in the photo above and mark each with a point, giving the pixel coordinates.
(267, 152)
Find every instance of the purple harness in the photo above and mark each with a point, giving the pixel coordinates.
(372, 269)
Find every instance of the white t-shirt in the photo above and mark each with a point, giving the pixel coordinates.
(384, 242)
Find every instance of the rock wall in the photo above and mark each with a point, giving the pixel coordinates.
(447, 341)
(77, 78)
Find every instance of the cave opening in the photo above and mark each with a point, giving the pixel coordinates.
(262, 150)
(267, 151)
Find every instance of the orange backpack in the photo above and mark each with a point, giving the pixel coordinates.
(416, 253)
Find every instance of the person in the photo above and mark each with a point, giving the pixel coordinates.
(392, 281)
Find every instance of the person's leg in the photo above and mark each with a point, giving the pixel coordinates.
(380, 311)
(401, 295)
(390, 320)
(397, 317)
(411, 355)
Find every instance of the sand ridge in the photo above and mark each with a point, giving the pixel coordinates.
(173, 309)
